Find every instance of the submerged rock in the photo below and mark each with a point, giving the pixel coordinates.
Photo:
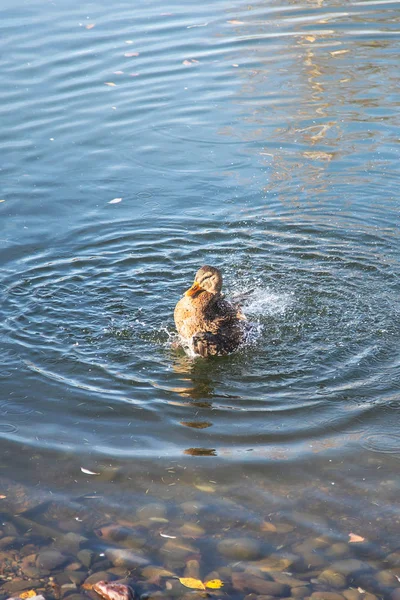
(240, 548)
(332, 579)
(114, 591)
(50, 559)
(125, 558)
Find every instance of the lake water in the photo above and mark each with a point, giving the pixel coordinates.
(138, 142)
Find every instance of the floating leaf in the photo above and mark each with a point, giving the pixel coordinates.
(28, 594)
(90, 26)
(115, 201)
(353, 537)
(110, 83)
(310, 38)
(130, 54)
(187, 63)
(235, 22)
(2, 200)
(87, 472)
(2, 496)
(194, 584)
(214, 584)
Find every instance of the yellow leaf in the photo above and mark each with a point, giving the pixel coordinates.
(214, 584)
(235, 22)
(190, 582)
(90, 26)
(110, 83)
(28, 594)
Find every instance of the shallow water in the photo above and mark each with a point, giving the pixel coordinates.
(261, 138)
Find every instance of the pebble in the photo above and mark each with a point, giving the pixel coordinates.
(386, 578)
(113, 591)
(326, 596)
(300, 592)
(86, 557)
(8, 542)
(246, 581)
(48, 560)
(177, 549)
(352, 594)
(350, 566)
(333, 579)
(71, 542)
(99, 576)
(19, 585)
(240, 549)
(77, 577)
(125, 558)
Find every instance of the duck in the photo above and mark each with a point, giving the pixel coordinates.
(210, 324)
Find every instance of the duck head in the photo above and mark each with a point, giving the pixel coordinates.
(208, 279)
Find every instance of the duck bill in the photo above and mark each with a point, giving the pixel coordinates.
(193, 290)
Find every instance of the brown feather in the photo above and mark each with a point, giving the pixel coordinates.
(211, 323)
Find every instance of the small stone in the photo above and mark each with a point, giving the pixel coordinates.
(338, 550)
(50, 559)
(113, 591)
(119, 572)
(126, 558)
(352, 594)
(86, 557)
(369, 596)
(178, 550)
(276, 562)
(77, 577)
(67, 588)
(350, 566)
(8, 542)
(247, 581)
(155, 574)
(387, 578)
(394, 559)
(191, 530)
(300, 592)
(74, 566)
(240, 549)
(71, 542)
(99, 576)
(332, 579)
(326, 596)
(284, 527)
(18, 585)
(192, 569)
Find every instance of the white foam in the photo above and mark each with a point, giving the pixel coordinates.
(264, 302)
